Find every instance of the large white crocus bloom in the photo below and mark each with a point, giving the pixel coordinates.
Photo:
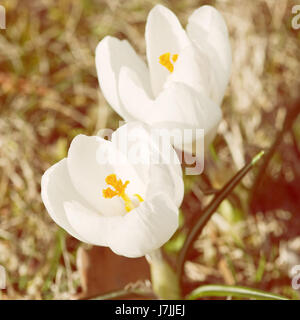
(185, 79)
(100, 197)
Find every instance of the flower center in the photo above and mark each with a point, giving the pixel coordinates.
(119, 190)
(165, 60)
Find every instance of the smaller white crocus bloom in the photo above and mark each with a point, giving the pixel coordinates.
(100, 197)
(186, 77)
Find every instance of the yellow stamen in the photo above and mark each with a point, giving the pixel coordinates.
(119, 190)
(165, 60)
(139, 197)
(175, 57)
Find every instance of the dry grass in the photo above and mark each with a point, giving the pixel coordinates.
(49, 93)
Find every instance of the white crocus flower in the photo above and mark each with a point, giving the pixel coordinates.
(186, 77)
(109, 201)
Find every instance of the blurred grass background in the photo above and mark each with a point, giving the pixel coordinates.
(49, 93)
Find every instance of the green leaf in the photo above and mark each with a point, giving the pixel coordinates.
(232, 291)
(261, 269)
(213, 152)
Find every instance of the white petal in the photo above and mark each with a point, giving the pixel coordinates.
(207, 28)
(206, 24)
(90, 225)
(88, 173)
(181, 107)
(57, 189)
(111, 55)
(193, 69)
(163, 34)
(177, 106)
(90, 161)
(144, 229)
(154, 159)
(167, 178)
(136, 101)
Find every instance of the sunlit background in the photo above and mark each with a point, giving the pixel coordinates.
(49, 93)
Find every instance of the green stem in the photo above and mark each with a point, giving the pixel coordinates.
(211, 208)
(164, 280)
